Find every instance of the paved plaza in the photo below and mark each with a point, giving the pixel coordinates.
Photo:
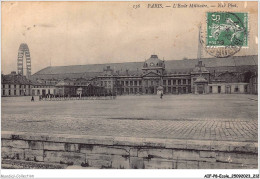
(199, 117)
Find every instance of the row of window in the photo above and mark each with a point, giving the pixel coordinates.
(16, 86)
(42, 86)
(179, 82)
(131, 83)
(177, 90)
(228, 89)
(44, 92)
(173, 90)
(122, 83)
(147, 82)
(16, 92)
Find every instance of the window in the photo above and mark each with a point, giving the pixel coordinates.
(236, 89)
(184, 90)
(210, 89)
(151, 82)
(122, 83)
(189, 81)
(135, 83)
(14, 92)
(140, 90)
(169, 82)
(9, 86)
(3, 92)
(245, 88)
(9, 92)
(140, 83)
(164, 82)
(219, 89)
(184, 81)
(131, 83)
(169, 89)
(14, 86)
(126, 83)
(179, 82)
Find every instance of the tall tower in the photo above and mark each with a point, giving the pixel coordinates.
(199, 54)
(24, 52)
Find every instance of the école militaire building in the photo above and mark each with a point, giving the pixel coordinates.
(237, 74)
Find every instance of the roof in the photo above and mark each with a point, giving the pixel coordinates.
(154, 60)
(92, 70)
(15, 79)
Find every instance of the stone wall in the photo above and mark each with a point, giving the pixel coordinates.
(30, 150)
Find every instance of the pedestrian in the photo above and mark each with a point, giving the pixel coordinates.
(32, 98)
(161, 95)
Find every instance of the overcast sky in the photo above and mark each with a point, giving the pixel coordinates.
(77, 33)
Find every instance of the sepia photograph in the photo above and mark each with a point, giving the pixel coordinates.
(129, 85)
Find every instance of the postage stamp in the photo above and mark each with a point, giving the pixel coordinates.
(227, 29)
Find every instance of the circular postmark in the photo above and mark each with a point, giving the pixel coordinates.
(224, 34)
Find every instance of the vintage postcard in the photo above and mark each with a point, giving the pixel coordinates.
(130, 85)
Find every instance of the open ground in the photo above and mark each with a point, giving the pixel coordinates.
(199, 117)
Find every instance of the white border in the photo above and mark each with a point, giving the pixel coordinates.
(103, 173)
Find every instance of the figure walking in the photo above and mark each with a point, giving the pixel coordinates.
(32, 98)
(161, 95)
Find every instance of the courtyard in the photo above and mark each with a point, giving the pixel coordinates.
(223, 117)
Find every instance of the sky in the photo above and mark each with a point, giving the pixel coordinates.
(78, 33)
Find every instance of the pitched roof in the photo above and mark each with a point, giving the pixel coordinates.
(92, 70)
(15, 79)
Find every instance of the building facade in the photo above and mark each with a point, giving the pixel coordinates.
(146, 81)
(153, 76)
(213, 75)
(15, 85)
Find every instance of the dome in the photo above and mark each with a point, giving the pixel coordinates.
(154, 61)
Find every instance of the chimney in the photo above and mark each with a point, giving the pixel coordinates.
(200, 63)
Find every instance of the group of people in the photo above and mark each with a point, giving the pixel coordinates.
(73, 97)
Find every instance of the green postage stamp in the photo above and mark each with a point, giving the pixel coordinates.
(227, 29)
